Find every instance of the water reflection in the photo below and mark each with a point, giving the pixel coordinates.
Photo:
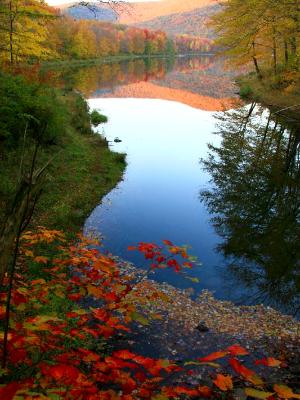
(255, 200)
(200, 82)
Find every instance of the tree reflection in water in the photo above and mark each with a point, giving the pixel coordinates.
(255, 201)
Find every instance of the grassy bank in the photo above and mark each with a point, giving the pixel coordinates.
(82, 168)
(280, 95)
(82, 173)
(87, 171)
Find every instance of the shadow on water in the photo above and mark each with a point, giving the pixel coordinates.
(255, 204)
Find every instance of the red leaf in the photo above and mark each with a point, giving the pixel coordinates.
(185, 390)
(268, 362)
(247, 373)
(124, 354)
(204, 391)
(223, 382)
(74, 296)
(8, 392)
(237, 350)
(61, 372)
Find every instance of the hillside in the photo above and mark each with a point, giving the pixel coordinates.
(172, 16)
(192, 22)
(93, 12)
(146, 11)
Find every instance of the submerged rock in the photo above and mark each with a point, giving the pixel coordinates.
(202, 327)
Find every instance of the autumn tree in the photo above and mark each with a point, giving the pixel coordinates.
(23, 30)
(264, 32)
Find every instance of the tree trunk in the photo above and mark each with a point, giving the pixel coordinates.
(258, 73)
(286, 53)
(274, 52)
(11, 30)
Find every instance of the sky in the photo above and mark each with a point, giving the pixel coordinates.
(58, 2)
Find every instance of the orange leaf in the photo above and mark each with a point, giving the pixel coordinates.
(124, 354)
(223, 382)
(41, 260)
(213, 356)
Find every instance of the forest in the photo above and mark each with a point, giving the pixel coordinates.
(33, 32)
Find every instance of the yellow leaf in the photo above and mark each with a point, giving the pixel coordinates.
(28, 253)
(255, 379)
(257, 394)
(94, 291)
(211, 364)
(285, 392)
(9, 336)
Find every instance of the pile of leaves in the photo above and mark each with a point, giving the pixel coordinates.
(67, 305)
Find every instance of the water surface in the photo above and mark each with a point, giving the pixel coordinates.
(238, 208)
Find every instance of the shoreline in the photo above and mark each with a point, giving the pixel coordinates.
(188, 329)
(119, 58)
(283, 102)
(274, 322)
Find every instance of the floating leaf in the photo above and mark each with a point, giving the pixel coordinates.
(195, 280)
(139, 318)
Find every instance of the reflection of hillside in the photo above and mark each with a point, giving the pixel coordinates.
(205, 76)
(200, 82)
(153, 91)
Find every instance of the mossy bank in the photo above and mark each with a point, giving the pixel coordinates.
(281, 94)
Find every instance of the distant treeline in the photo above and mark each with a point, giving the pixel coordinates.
(31, 30)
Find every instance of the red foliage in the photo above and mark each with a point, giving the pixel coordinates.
(63, 349)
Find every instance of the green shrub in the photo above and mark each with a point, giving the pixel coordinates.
(80, 117)
(97, 118)
(245, 91)
(29, 109)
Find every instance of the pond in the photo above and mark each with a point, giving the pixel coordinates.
(224, 182)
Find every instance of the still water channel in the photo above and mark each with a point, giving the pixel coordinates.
(226, 183)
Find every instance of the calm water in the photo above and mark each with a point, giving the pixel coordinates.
(238, 208)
